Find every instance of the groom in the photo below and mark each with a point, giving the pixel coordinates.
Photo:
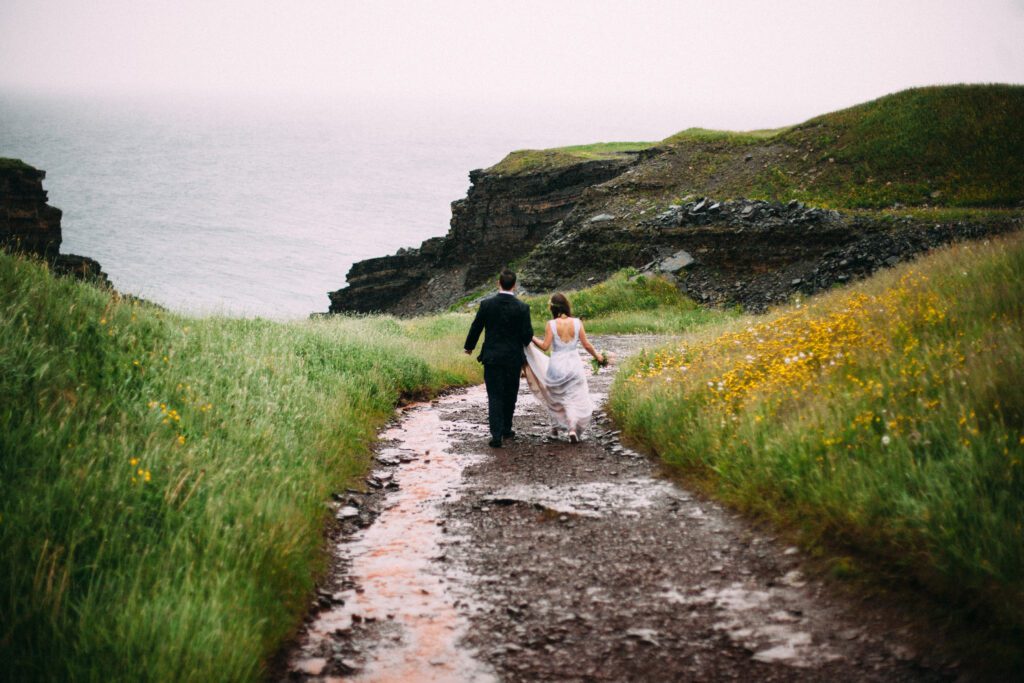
(509, 330)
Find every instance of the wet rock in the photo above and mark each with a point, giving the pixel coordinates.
(347, 666)
(313, 666)
(602, 218)
(348, 512)
(644, 635)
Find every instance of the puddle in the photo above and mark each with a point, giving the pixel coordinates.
(404, 590)
(592, 499)
(767, 622)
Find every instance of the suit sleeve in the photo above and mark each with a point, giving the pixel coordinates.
(527, 328)
(475, 329)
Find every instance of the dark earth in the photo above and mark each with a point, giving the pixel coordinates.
(546, 561)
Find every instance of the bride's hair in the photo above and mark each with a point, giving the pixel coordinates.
(559, 305)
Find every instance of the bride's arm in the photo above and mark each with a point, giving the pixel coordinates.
(588, 346)
(544, 344)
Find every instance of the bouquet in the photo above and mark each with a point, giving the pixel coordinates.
(606, 359)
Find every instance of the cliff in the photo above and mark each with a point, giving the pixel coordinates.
(503, 216)
(758, 216)
(28, 225)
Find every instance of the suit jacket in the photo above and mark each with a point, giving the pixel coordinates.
(507, 322)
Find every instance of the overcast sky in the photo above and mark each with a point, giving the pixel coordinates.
(716, 62)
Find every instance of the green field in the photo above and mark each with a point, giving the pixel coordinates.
(883, 423)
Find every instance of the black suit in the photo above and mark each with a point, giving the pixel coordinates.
(507, 322)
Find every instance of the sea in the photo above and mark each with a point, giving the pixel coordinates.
(259, 206)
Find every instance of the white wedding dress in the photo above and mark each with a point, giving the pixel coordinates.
(560, 382)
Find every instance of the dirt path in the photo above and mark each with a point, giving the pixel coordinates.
(544, 561)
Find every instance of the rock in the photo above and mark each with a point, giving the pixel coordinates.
(502, 218)
(28, 225)
(347, 666)
(348, 512)
(312, 666)
(602, 218)
(644, 635)
(675, 263)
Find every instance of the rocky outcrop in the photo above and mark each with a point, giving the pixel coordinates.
(501, 219)
(567, 223)
(748, 253)
(28, 225)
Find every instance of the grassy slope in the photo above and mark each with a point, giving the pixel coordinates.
(963, 142)
(885, 418)
(534, 160)
(162, 479)
(629, 303)
(943, 146)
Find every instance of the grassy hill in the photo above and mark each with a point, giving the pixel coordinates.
(959, 145)
(883, 423)
(163, 478)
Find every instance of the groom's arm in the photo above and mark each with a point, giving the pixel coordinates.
(474, 330)
(526, 330)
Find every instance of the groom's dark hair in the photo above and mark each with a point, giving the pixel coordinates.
(507, 279)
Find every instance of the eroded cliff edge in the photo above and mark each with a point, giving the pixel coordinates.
(501, 219)
(29, 225)
(738, 218)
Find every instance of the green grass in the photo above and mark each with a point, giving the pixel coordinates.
(963, 144)
(534, 160)
(629, 303)
(14, 164)
(949, 146)
(897, 438)
(750, 137)
(163, 478)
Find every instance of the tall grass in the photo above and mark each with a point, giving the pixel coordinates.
(629, 303)
(162, 479)
(886, 418)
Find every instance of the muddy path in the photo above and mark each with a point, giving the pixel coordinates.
(545, 561)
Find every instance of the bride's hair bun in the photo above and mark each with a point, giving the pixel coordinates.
(559, 305)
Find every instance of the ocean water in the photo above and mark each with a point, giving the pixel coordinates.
(257, 207)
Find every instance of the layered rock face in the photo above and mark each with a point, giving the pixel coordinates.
(751, 253)
(501, 219)
(28, 225)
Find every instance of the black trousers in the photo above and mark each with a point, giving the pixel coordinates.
(502, 382)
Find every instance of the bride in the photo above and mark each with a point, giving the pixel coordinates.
(560, 382)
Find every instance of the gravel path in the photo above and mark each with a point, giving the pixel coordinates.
(544, 561)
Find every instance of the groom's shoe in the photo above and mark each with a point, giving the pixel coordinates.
(510, 434)
(494, 443)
